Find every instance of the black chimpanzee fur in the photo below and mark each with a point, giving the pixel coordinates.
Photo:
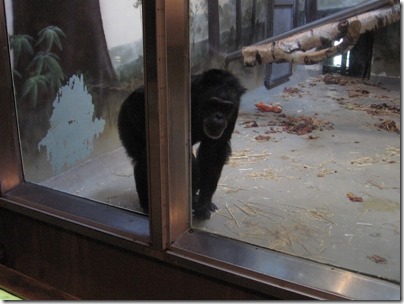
(215, 99)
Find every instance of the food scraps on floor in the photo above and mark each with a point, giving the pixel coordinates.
(354, 198)
(263, 107)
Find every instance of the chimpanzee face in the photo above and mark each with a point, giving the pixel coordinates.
(216, 113)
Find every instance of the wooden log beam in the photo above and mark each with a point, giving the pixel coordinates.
(302, 48)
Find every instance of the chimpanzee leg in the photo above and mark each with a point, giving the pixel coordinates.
(195, 182)
(140, 171)
(212, 156)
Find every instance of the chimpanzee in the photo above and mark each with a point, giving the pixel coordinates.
(215, 99)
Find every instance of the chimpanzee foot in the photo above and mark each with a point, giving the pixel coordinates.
(202, 214)
(213, 207)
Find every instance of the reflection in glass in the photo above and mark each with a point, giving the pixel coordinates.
(320, 179)
(74, 62)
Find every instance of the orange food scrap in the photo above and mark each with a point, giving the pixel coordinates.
(354, 198)
(263, 107)
(377, 259)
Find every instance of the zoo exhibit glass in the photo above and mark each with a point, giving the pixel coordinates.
(68, 87)
(315, 169)
(214, 253)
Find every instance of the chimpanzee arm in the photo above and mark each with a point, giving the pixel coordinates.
(211, 157)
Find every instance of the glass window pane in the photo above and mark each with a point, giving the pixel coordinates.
(74, 63)
(311, 10)
(315, 167)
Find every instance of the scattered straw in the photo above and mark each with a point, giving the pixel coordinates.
(380, 186)
(255, 209)
(325, 172)
(392, 155)
(363, 161)
(243, 157)
(123, 174)
(304, 247)
(373, 109)
(266, 173)
(350, 238)
(320, 215)
(392, 151)
(304, 166)
(248, 212)
(329, 230)
(231, 214)
(228, 189)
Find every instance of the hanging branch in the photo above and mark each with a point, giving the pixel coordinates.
(299, 48)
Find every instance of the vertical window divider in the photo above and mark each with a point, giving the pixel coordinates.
(156, 119)
(10, 159)
(179, 116)
(168, 120)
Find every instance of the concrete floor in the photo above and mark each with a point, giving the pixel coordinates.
(328, 190)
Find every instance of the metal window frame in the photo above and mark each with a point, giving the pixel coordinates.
(169, 236)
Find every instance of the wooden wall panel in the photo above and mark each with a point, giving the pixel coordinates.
(89, 269)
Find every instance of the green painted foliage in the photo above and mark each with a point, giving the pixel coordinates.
(32, 86)
(44, 71)
(50, 36)
(21, 43)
